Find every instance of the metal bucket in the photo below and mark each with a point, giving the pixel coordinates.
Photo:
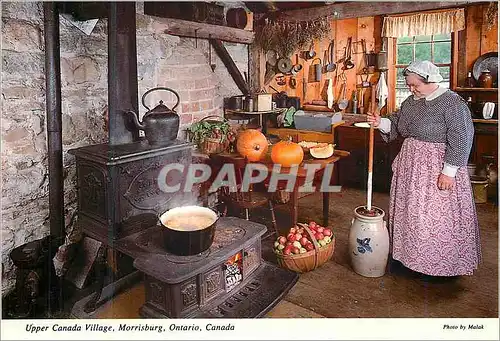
(480, 189)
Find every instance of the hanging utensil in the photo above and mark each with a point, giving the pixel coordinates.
(311, 53)
(280, 80)
(271, 57)
(329, 93)
(293, 82)
(297, 67)
(344, 102)
(304, 89)
(365, 56)
(316, 69)
(284, 65)
(348, 64)
(212, 65)
(331, 66)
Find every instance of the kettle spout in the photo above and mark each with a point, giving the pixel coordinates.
(135, 119)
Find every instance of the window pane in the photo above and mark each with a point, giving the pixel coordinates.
(405, 54)
(423, 51)
(404, 40)
(445, 72)
(446, 36)
(423, 38)
(400, 79)
(442, 52)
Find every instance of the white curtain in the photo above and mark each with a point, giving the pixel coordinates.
(424, 24)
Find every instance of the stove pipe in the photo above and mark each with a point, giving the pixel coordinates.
(122, 72)
(54, 118)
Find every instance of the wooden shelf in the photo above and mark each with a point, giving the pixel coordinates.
(458, 89)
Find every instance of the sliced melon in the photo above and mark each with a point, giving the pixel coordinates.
(322, 151)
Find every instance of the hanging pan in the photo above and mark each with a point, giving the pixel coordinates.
(284, 65)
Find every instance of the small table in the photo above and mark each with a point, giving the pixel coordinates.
(261, 115)
(301, 178)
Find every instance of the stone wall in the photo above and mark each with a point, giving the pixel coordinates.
(163, 60)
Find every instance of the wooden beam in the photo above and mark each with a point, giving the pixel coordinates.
(230, 65)
(184, 28)
(363, 9)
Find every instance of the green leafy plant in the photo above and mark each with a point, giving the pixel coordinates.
(219, 130)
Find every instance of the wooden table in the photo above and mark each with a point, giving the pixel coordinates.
(301, 178)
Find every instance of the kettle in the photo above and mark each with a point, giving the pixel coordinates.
(160, 124)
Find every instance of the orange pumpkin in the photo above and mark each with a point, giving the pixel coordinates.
(252, 144)
(287, 153)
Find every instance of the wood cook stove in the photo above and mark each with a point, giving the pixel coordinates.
(119, 198)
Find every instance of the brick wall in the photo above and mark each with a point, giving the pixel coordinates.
(179, 63)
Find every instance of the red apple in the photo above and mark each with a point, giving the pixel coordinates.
(287, 251)
(298, 236)
(320, 229)
(319, 236)
(282, 240)
(295, 250)
(293, 230)
(327, 232)
(288, 243)
(309, 246)
(312, 225)
(291, 237)
(303, 241)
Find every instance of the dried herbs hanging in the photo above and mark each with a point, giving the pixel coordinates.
(491, 15)
(285, 37)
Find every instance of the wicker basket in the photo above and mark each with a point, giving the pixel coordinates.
(309, 260)
(213, 145)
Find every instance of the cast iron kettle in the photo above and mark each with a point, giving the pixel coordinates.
(160, 124)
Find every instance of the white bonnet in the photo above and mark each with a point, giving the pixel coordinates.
(425, 69)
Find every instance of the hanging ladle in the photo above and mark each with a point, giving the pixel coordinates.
(331, 66)
(348, 64)
(297, 67)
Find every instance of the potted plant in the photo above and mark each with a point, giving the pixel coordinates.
(212, 135)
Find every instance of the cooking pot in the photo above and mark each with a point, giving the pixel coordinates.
(188, 242)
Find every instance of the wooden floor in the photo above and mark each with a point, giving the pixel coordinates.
(334, 290)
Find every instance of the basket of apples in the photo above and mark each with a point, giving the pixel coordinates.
(306, 247)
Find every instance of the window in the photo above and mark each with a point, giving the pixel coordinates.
(436, 48)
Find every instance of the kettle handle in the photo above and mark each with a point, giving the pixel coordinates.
(161, 88)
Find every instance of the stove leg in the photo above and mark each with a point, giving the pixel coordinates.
(100, 271)
(247, 214)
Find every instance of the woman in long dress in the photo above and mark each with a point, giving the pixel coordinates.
(432, 216)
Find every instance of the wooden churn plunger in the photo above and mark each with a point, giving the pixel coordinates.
(369, 184)
(368, 236)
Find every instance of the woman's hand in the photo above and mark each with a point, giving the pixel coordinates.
(445, 182)
(374, 118)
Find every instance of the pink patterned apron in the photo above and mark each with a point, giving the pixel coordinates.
(434, 232)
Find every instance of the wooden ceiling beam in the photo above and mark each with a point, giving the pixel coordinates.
(351, 9)
(184, 28)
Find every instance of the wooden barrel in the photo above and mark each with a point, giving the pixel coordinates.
(237, 18)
